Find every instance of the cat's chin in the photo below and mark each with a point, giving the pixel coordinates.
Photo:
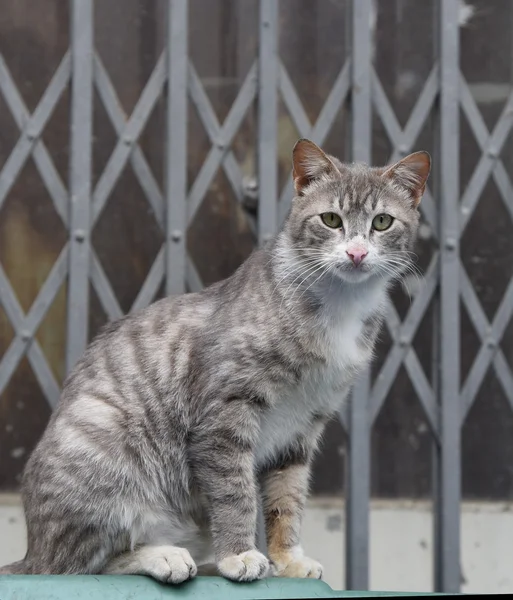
(354, 275)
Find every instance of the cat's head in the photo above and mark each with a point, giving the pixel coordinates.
(351, 220)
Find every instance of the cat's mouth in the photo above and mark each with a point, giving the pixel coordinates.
(351, 272)
(349, 267)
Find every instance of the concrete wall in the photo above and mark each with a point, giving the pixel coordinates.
(401, 543)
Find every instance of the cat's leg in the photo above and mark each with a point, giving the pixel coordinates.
(223, 452)
(285, 488)
(168, 564)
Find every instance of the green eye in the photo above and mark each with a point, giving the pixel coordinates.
(382, 222)
(331, 220)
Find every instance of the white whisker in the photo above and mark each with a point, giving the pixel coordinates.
(305, 278)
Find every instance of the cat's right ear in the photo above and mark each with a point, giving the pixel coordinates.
(411, 174)
(309, 163)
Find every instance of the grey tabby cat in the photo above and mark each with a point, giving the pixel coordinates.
(175, 416)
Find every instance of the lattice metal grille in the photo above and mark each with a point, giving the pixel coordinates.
(357, 89)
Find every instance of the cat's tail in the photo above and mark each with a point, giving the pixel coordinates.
(19, 567)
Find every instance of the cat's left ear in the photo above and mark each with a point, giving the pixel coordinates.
(411, 173)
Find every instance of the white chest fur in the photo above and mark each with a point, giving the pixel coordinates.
(322, 389)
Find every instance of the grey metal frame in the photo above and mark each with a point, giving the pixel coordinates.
(79, 206)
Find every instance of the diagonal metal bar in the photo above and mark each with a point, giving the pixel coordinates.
(131, 133)
(117, 162)
(418, 115)
(148, 184)
(403, 335)
(424, 391)
(226, 134)
(384, 109)
(403, 140)
(103, 289)
(482, 135)
(152, 282)
(140, 166)
(292, 102)
(486, 163)
(333, 103)
(488, 349)
(31, 127)
(418, 378)
(150, 187)
(154, 279)
(149, 288)
(482, 326)
(25, 327)
(213, 129)
(193, 279)
(322, 127)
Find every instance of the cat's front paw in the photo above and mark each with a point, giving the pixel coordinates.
(167, 564)
(246, 566)
(300, 567)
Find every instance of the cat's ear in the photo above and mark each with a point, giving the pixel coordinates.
(309, 163)
(411, 174)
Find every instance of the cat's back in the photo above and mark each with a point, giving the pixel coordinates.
(144, 346)
(116, 405)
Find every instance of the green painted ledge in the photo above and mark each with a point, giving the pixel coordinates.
(110, 587)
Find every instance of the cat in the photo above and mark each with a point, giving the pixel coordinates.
(176, 416)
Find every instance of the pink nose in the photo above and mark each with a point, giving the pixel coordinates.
(356, 255)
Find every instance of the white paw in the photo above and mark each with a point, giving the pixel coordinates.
(169, 564)
(247, 566)
(301, 567)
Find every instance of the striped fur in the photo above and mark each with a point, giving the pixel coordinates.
(173, 416)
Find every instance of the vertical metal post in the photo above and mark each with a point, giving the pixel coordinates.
(358, 460)
(82, 50)
(176, 138)
(361, 104)
(436, 340)
(261, 536)
(268, 121)
(358, 489)
(267, 148)
(449, 468)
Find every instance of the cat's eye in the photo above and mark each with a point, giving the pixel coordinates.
(382, 222)
(332, 220)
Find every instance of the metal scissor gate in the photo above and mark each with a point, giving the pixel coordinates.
(447, 209)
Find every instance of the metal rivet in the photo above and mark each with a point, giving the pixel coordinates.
(403, 341)
(492, 153)
(176, 236)
(25, 336)
(450, 243)
(79, 235)
(403, 150)
(127, 140)
(31, 136)
(491, 343)
(220, 145)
